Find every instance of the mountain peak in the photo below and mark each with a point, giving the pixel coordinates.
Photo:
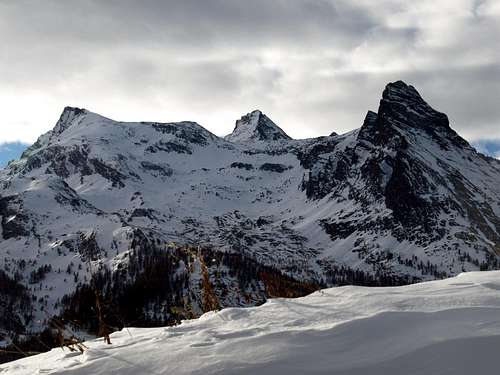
(402, 104)
(256, 126)
(68, 115)
(402, 107)
(400, 91)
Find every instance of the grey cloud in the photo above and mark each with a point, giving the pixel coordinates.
(50, 42)
(187, 23)
(469, 96)
(313, 65)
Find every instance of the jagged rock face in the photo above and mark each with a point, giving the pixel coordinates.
(255, 126)
(69, 117)
(406, 159)
(403, 198)
(402, 107)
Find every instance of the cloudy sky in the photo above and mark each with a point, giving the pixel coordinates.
(314, 66)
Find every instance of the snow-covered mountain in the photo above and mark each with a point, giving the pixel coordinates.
(168, 220)
(256, 126)
(440, 327)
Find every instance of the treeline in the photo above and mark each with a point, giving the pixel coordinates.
(15, 312)
(157, 286)
(338, 275)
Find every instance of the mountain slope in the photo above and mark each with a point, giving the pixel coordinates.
(199, 222)
(442, 327)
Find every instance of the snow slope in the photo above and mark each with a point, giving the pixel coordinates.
(450, 326)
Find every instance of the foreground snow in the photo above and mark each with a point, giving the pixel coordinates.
(440, 327)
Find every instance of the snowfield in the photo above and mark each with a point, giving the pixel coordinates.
(450, 326)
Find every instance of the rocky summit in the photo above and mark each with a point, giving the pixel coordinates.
(164, 221)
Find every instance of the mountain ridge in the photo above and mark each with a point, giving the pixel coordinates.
(236, 220)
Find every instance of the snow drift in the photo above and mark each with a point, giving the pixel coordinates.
(450, 326)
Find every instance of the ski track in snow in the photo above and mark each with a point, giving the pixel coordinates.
(450, 326)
